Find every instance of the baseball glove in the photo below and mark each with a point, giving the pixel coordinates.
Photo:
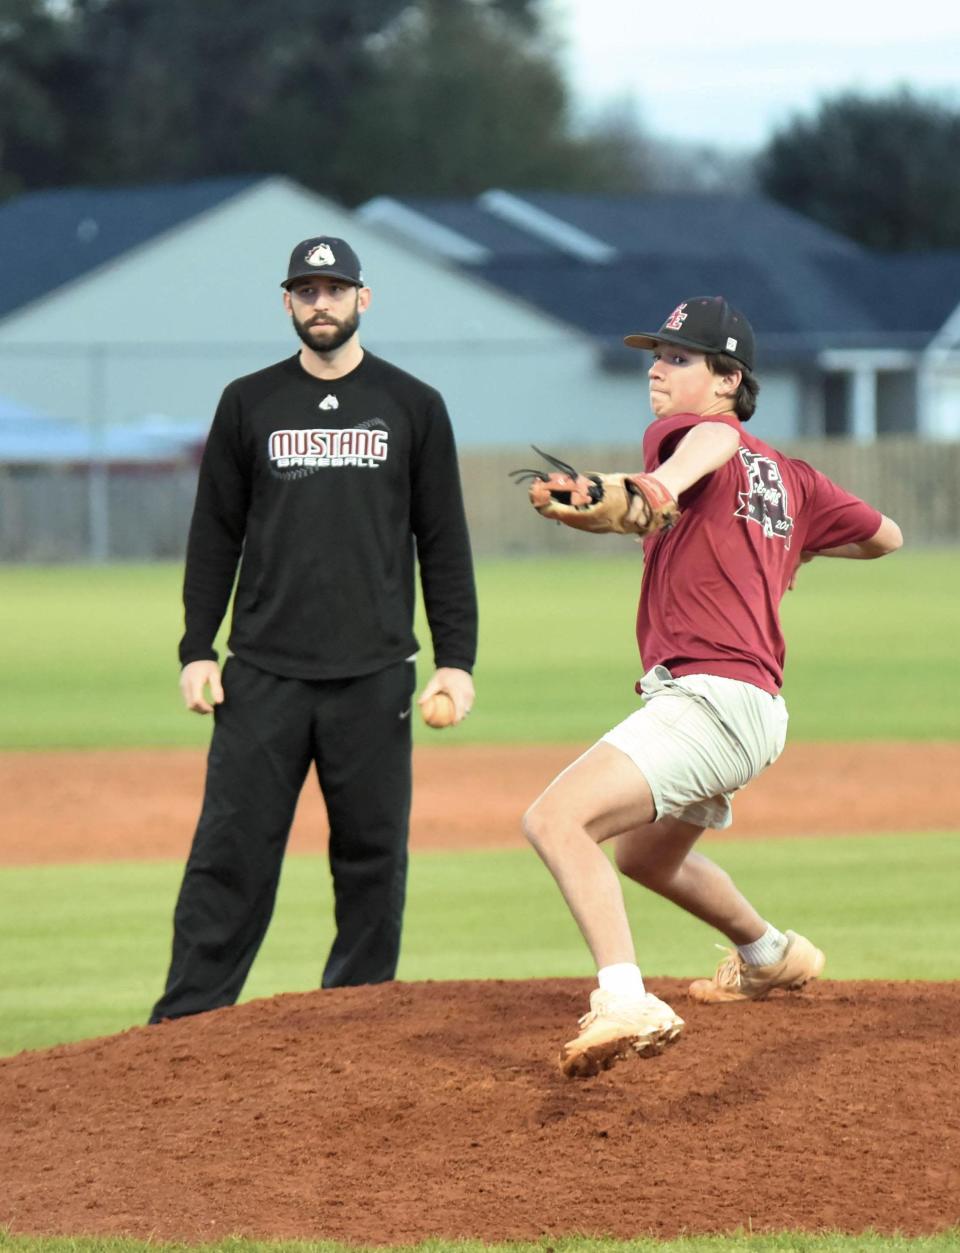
(629, 504)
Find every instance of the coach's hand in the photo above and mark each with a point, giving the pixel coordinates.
(457, 684)
(194, 677)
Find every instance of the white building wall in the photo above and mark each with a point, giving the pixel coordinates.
(944, 420)
(514, 395)
(166, 326)
(497, 393)
(779, 415)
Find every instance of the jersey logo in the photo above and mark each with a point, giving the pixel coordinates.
(294, 454)
(329, 402)
(765, 500)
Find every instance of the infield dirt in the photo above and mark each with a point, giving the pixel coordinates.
(395, 1113)
(406, 1111)
(139, 803)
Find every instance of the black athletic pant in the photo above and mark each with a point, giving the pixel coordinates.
(267, 732)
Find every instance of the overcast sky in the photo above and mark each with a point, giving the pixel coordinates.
(711, 72)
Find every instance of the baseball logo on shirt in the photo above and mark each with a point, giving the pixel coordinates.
(293, 454)
(765, 500)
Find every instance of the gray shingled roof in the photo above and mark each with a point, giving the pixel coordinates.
(48, 238)
(692, 225)
(802, 286)
(467, 218)
(797, 307)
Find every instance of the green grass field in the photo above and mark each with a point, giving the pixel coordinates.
(90, 653)
(89, 661)
(946, 1242)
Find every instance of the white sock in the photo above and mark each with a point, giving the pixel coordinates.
(768, 949)
(622, 979)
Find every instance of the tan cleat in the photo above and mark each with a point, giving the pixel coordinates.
(736, 981)
(617, 1028)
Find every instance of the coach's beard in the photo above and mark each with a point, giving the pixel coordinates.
(341, 331)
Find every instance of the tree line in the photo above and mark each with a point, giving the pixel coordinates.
(356, 98)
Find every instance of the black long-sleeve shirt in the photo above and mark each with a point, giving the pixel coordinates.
(329, 488)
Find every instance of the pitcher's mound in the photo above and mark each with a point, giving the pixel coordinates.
(395, 1113)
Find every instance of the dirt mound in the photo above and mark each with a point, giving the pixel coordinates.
(395, 1113)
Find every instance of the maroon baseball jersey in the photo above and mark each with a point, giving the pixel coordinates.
(713, 583)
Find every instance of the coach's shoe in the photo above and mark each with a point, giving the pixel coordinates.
(736, 981)
(617, 1028)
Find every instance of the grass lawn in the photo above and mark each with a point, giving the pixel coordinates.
(90, 652)
(946, 1242)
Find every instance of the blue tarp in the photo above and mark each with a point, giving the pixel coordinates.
(29, 438)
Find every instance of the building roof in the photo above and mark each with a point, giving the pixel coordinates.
(614, 264)
(912, 291)
(692, 224)
(48, 238)
(459, 229)
(605, 265)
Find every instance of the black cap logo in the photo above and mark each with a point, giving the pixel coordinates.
(325, 253)
(706, 324)
(320, 254)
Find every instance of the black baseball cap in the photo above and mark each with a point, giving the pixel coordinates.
(324, 254)
(706, 323)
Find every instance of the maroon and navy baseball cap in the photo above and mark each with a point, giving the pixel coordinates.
(706, 323)
(324, 254)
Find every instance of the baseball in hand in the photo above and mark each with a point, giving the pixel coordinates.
(439, 710)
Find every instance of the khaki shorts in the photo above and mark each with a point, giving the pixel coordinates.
(698, 739)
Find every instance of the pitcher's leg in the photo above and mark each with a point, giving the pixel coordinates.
(258, 760)
(598, 796)
(363, 754)
(661, 857)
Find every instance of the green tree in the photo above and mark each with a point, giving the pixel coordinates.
(350, 97)
(185, 89)
(462, 97)
(882, 170)
(39, 75)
